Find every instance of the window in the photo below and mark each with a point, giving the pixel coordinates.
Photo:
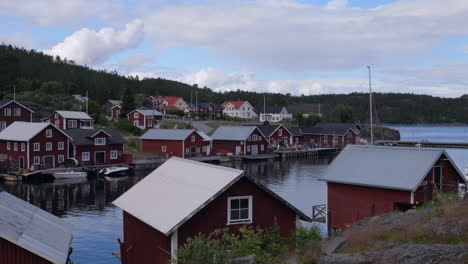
(56, 115)
(204, 149)
(17, 111)
(187, 150)
(193, 138)
(61, 146)
(23, 146)
(37, 160)
(136, 123)
(437, 177)
(8, 146)
(280, 132)
(99, 141)
(57, 123)
(60, 158)
(48, 146)
(72, 123)
(15, 147)
(163, 149)
(248, 148)
(85, 156)
(150, 122)
(113, 154)
(254, 137)
(262, 147)
(2, 125)
(136, 115)
(37, 146)
(49, 133)
(7, 112)
(239, 209)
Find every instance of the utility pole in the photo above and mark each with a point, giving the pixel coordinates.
(370, 106)
(87, 99)
(196, 100)
(264, 109)
(14, 92)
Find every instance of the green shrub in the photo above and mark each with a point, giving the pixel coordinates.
(303, 238)
(125, 125)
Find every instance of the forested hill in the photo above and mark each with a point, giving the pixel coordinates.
(34, 71)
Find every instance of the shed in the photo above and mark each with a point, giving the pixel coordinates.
(239, 140)
(382, 179)
(31, 235)
(182, 198)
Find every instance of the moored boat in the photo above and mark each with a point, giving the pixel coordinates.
(115, 171)
(10, 177)
(69, 174)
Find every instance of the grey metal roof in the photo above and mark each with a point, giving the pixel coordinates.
(233, 132)
(267, 129)
(171, 134)
(459, 158)
(329, 130)
(148, 112)
(296, 131)
(338, 126)
(4, 102)
(84, 137)
(401, 168)
(24, 131)
(33, 229)
(73, 114)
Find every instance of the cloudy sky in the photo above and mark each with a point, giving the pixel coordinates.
(285, 46)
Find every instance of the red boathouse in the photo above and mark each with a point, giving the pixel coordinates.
(182, 198)
(12, 111)
(276, 134)
(239, 140)
(370, 180)
(183, 143)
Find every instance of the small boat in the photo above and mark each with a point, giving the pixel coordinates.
(69, 174)
(11, 177)
(114, 171)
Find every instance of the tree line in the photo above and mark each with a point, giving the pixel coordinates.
(31, 71)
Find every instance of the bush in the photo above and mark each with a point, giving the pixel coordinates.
(175, 112)
(304, 238)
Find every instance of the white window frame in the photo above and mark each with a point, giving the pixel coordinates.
(254, 137)
(248, 148)
(150, 122)
(72, 123)
(187, 150)
(85, 156)
(37, 146)
(17, 111)
(136, 123)
(240, 221)
(15, 146)
(136, 115)
(56, 115)
(280, 132)
(49, 133)
(164, 149)
(262, 147)
(61, 145)
(8, 145)
(203, 148)
(37, 160)
(7, 111)
(100, 141)
(2, 125)
(49, 146)
(192, 138)
(60, 158)
(23, 147)
(113, 154)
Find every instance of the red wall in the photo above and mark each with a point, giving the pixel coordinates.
(175, 147)
(141, 119)
(13, 254)
(229, 146)
(349, 203)
(25, 115)
(199, 143)
(93, 149)
(60, 119)
(326, 141)
(275, 138)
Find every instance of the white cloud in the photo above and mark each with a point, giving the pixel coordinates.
(134, 61)
(302, 37)
(17, 39)
(90, 47)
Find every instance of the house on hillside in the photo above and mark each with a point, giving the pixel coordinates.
(239, 140)
(210, 110)
(145, 118)
(31, 235)
(70, 119)
(239, 109)
(114, 107)
(330, 136)
(96, 146)
(384, 179)
(166, 103)
(12, 111)
(183, 143)
(24, 144)
(183, 198)
(275, 114)
(276, 134)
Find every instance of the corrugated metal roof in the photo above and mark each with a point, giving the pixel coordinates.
(401, 168)
(74, 114)
(204, 136)
(22, 131)
(233, 132)
(148, 112)
(33, 229)
(459, 158)
(167, 134)
(84, 137)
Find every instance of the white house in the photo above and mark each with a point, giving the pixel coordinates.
(239, 109)
(275, 114)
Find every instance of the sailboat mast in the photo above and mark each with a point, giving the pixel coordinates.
(370, 106)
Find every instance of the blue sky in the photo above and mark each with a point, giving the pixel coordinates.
(285, 46)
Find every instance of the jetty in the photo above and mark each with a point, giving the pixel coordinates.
(303, 152)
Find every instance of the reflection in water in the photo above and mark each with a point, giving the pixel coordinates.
(87, 204)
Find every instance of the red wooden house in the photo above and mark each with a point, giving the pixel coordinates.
(96, 146)
(239, 140)
(114, 107)
(182, 198)
(168, 103)
(296, 135)
(211, 111)
(26, 144)
(370, 180)
(71, 119)
(276, 134)
(29, 235)
(329, 137)
(12, 111)
(183, 143)
(145, 118)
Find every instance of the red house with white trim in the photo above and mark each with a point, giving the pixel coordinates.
(145, 118)
(25, 144)
(277, 134)
(183, 198)
(183, 143)
(71, 119)
(12, 111)
(370, 180)
(239, 140)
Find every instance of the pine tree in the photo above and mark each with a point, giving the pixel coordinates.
(128, 101)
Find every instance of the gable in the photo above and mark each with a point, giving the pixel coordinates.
(16, 104)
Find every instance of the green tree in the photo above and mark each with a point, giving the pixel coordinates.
(128, 101)
(341, 113)
(9, 71)
(53, 87)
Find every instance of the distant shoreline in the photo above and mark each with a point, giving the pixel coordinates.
(449, 124)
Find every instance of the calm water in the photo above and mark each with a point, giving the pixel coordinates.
(97, 223)
(433, 133)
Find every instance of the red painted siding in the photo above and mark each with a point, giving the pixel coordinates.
(62, 123)
(93, 149)
(285, 138)
(143, 120)
(13, 254)
(25, 114)
(143, 244)
(173, 147)
(331, 141)
(345, 211)
(226, 147)
(195, 148)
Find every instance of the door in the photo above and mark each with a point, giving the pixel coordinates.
(21, 162)
(438, 177)
(238, 150)
(254, 149)
(193, 152)
(100, 157)
(49, 162)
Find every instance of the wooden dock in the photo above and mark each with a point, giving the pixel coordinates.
(303, 152)
(259, 157)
